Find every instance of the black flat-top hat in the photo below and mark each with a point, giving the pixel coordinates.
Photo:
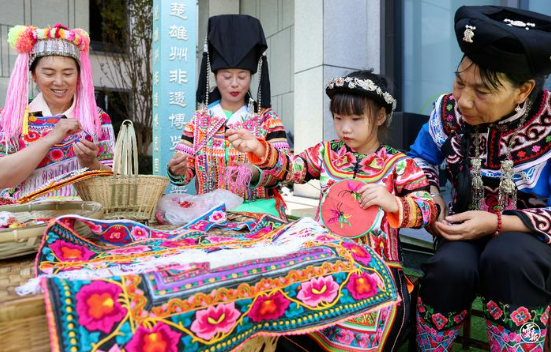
(505, 39)
(234, 41)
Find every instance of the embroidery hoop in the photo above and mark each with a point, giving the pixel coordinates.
(340, 201)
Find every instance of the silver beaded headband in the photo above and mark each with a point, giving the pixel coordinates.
(54, 47)
(367, 85)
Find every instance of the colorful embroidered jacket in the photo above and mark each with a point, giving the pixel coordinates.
(60, 159)
(211, 154)
(440, 138)
(333, 161)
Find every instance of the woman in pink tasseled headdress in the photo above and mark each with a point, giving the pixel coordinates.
(62, 129)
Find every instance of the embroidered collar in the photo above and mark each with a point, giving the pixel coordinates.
(215, 109)
(39, 105)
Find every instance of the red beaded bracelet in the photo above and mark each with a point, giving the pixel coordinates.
(499, 223)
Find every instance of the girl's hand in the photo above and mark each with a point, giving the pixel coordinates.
(62, 129)
(467, 226)
(244, 141)
(374, 194)
(178, 164)
(432, 228)
(87, 153)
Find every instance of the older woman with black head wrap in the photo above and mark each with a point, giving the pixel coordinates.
(494, 134)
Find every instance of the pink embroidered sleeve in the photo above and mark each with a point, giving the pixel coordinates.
(292, 168)
(416, 208)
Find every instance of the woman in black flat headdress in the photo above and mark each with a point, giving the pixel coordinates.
(494, 133)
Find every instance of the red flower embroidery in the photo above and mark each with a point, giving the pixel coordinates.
(520, 316)
(32, 136)
(68, 252)
(494, 310)
(359, 253)
(380, 246)
(545, 316)
(160, 339)
(439, 320)
(98, 307)
(268, 307)
(56, 154)
(116, 234)
(362, 286)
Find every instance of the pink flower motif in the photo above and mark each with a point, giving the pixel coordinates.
(439, 320)
(420, 306)
(545, 316)
(359, 253)
(130, 250)
(116, 234)
(494, 310)
(56, 154)
(520, 316)
(184, 242)
(160, 339)
(139, 233)
(216, 239)
(342, 158)
(322, 289)
(362, 286)
(536, 148)
(324, 238)
(217, 216)
(69, 252)
(268, 307)
(459, 317)
(98, 307)
(159, 234)
(345, 336)
(200, 226)
(95, 228)
(214, 319)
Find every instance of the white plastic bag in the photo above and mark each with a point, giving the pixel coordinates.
(180, 208)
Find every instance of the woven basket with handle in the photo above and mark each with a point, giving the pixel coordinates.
(126, 194)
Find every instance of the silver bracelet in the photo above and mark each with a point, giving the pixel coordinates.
(436, 195)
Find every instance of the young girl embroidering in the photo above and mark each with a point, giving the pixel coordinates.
(361, 106)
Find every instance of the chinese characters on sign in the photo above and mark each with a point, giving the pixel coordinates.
(174, 36)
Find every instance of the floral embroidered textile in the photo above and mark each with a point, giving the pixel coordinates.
(205, 292)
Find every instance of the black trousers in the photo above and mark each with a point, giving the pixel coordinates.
(513, 268)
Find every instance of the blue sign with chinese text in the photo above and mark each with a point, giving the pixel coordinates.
(174, 66)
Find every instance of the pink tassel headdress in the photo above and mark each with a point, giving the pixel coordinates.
(31, 42)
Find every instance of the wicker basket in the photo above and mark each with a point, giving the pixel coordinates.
(25, 240)
(125, 195)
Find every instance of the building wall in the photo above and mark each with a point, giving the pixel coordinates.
(41, 13)
(277, 18)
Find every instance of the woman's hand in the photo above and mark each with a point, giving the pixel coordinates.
(87, 153)
(178, 164)
(375, 194)
(62, 129)
(431, 228)
(467, 226)
(244, 141)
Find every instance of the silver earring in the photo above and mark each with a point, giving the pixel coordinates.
(518, 108)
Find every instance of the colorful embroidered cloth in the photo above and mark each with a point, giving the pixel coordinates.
(207, 292)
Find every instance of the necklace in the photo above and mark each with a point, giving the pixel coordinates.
(507, 193)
